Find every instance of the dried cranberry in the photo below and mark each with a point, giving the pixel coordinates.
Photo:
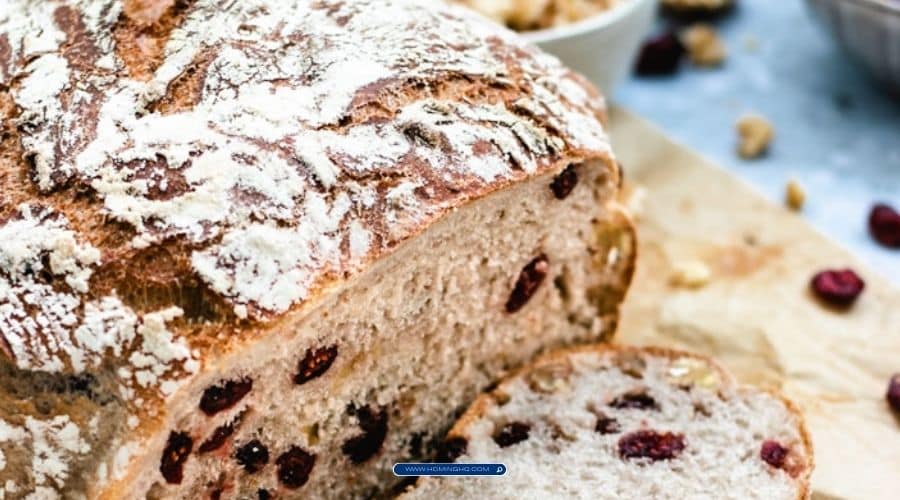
(564, 183)
(415, 444)
(893, 392)
(222, 397)
(263, 494)
(512, 433)
(451, 449)
(253, 456)
(773, 453)
(215, 494)
(294, 467)
(176, 453)
(315, 363)
(651, 444)
(635, 400)
(606, 425)
(660, 55)
(837, 287)
(216, 439)
(884, 225)
(530, 279)
(364, 446)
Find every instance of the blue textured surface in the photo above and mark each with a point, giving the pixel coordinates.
(836, 132)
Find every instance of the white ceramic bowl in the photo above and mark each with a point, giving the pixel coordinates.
(601, 47)
(869, 30)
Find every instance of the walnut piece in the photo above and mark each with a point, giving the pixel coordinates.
(501, 397)
(550, 378)
(631, 364)
(525, 15)
(690, 274)
(755, 133)
(703, 45)
(689, 371)
(794, 195)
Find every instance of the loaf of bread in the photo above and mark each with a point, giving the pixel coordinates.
(625, 423)
(267, 248)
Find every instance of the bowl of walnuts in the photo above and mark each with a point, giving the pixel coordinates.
(597, 38)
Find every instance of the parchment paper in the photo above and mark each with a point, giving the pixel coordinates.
(756, 314)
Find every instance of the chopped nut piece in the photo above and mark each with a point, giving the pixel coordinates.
(703, 44)
(550, 378)
(501, 397)
(693, 372)
(690, 274)
(794, 195)
(756, 133)
(631, 364)
(525, 15)
(312, 434)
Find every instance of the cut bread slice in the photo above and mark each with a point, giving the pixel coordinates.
(620, 422)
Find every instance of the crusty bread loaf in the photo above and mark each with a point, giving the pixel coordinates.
(268, 247)
(622, 423)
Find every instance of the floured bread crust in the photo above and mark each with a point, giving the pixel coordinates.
(178, 176)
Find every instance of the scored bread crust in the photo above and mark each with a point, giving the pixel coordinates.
(180, 177)
(480, 407)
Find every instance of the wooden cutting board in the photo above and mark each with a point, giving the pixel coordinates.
(756, 314)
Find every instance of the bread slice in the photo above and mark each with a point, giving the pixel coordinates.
(622, 422)
(267, 248)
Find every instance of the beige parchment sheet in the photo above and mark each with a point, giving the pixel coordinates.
(756, 315)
